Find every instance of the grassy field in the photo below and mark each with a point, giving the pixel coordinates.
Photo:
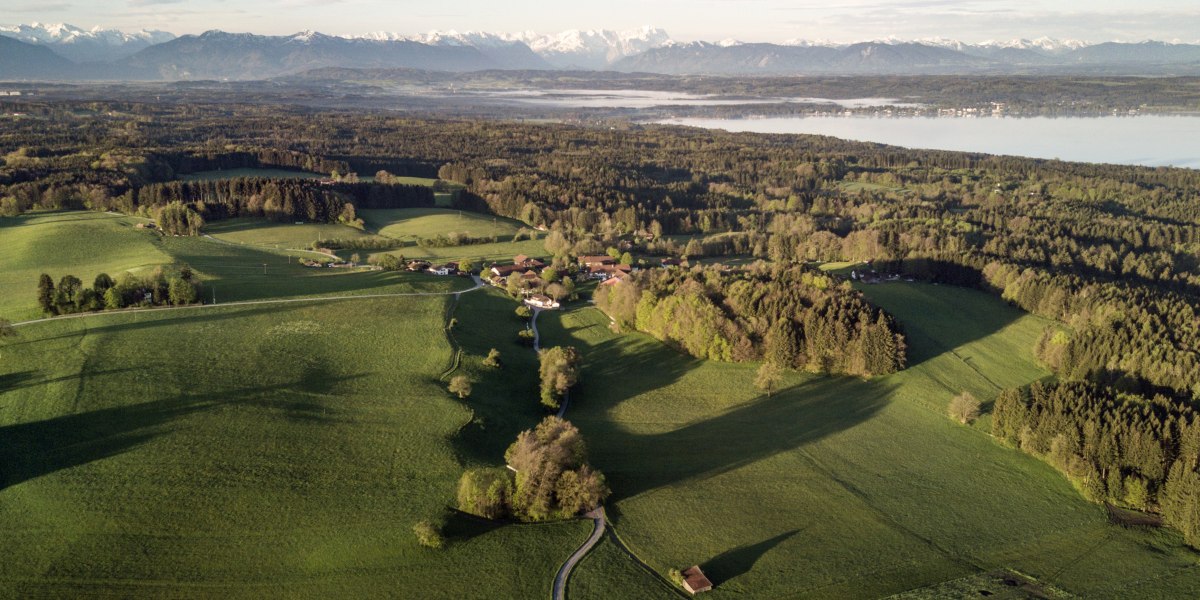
(844, 488)
(268, 234)
(411, 224)
(85, 244)
(252, 452)
(414, 223)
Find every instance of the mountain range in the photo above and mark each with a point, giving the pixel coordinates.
(65, 52)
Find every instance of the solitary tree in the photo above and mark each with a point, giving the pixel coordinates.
(461, 386)
(768, 378)
(6, 329)
(493, 359)
(964, 408)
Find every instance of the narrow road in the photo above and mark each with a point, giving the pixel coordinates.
(537, 340)
(560, 580)
(478, 284)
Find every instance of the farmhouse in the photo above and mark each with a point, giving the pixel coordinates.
(671, 262)
(541, 301)
(528, 262)
(446, 269)
(592, 262)
(506, 270)
(605, 272)
(694, 580)
(419, 265)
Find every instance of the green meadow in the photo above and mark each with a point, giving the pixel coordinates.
(250, 452)
(840, 487)
(286, 450)
(86, 244)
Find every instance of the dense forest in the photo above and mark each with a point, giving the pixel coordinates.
(1112, 253)
(789, 316)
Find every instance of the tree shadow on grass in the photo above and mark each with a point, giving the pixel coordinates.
(787, 420)
(38, 448)
(738, 561)
(30, 450)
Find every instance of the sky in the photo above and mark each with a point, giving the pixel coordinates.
(685, 20)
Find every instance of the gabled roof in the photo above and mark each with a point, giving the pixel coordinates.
(597, 260)
(695, 581)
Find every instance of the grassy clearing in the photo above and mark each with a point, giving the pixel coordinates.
(84, 244)
(839, 487)
(268, 234)
(411, 224)
(414, 223)
(250, 452)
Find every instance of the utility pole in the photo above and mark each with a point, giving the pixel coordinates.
(264, 268)
(214, 294)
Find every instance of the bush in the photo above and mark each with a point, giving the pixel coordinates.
(964, 408)
(460, 386)
(429, 535)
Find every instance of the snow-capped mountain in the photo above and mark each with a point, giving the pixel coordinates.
(504, 50)
(592, 48)
(571, 49)
(86, 45)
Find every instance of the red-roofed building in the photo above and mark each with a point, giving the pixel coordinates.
(694, 580)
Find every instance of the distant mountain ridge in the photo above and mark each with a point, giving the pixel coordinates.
(155, 55)
(86, 45)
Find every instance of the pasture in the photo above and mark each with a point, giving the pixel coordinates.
(840, 487)
(411, 224)
(251, 452)
(85, 244)
(268, 234)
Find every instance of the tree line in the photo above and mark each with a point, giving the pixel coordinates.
(70, 295)
(1135, 451)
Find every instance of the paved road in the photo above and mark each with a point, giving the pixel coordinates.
(478, 284)
(560, 580)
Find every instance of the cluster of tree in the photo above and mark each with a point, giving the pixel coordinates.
(547, 477)
(278, 199)
(790, 316)
(106, 293)
(178, 218)
(375, 242)
(1123, 449)
(559, 371)
(446, 240)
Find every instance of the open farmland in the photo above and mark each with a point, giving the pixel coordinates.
(857, 488)
(247, 452)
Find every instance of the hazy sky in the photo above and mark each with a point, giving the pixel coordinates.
(748, 20)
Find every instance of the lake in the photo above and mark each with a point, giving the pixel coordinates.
(1148, 140)
(580, 98)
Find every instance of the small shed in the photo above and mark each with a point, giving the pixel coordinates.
(694, 580)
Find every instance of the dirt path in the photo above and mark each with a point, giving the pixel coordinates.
(478, 284)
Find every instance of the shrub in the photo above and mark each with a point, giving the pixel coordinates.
(429, 535)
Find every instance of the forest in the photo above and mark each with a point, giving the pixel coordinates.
(1110, 253)
(792, 317)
